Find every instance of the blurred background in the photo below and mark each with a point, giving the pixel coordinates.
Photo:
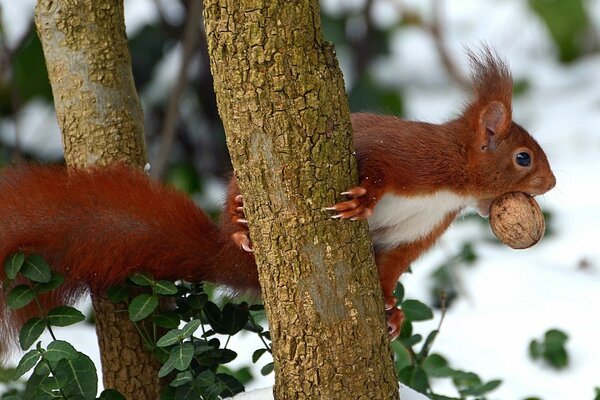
(403, 57)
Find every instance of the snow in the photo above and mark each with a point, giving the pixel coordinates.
(406, 393)
(511, 296)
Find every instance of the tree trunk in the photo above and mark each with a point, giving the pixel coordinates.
(281, 97)
(101, 120)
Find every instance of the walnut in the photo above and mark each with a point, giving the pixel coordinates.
(517, 220)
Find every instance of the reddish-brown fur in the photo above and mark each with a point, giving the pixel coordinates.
(472, 156)
(99, 226)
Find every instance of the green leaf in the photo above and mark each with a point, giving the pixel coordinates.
(232, 386)
(257, 355)
(204, 380)
(181, 356)
(181, 379)
(19, 297)
(399, 293)
(464, 379)
(568, 23)
(535, 349)
(229, 321)
(402, 358)
(65, 316)
(257, 307)
(436, 366)
(29, 69)
(189, 328)
(414, 310)
(253, 327)
(28, 361)
(144, 280)
(166, 369)
(167, 320)
(267, 369)
(222, 356)
(117, 293)
(427, 345)
(197, 301)
(42, 368)
(555, 337)
(558, 357)
(161, 354)
(13, 264)
(59, 349)
(170, 338)
(164, 287)
(40, 386)
(411, 341)
(168, 393)
(111, 394)
(414, 377)
(31, 331)
(55, 282)
(481, 389)
(78, 377)
(406, 330)
(142, 306)
(36, 269)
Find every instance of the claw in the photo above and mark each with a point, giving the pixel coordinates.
(356, 191)
(242, 221)
(242, 240)
(247, 248)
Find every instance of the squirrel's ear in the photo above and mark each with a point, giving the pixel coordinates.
(493, 123)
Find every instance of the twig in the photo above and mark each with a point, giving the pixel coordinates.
(190, 43)
(436, 30)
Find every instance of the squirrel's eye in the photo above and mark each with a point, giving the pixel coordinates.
(523, 159)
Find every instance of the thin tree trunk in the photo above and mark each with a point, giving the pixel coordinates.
(281, 97)
(101, 120)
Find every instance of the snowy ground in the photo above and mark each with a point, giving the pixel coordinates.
(512, 296)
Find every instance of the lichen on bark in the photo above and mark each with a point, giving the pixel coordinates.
(281, 97)
(101, 120)
(89, 67)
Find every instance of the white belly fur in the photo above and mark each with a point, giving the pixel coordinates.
(403, 220)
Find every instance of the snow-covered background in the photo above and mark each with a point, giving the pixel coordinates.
(512, 296)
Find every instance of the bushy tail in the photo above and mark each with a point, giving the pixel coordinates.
(99, 226)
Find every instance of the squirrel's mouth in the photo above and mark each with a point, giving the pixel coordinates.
(483, 207)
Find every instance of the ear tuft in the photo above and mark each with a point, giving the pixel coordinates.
(490, 77)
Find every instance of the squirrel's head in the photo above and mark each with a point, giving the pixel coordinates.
(503, 157)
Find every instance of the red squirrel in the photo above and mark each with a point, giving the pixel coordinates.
(416, 177)
(101, 225)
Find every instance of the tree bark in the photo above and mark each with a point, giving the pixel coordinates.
(101, 120)
(281, 97)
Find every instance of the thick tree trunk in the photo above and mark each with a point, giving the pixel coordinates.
(101, 120)
(281, 97)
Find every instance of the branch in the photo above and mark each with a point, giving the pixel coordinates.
(190, 44)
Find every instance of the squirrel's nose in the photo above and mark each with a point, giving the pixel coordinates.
(551, 182)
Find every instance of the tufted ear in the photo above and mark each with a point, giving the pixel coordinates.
(493, 124)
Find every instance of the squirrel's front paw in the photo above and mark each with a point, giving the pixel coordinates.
(357, 208)
(394, 318)
(241, 238)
